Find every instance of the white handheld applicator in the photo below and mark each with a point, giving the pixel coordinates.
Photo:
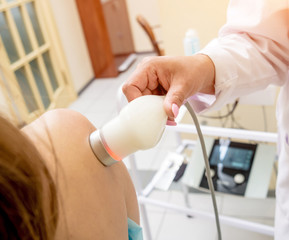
(139, 126)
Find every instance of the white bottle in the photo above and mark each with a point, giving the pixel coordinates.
(139, 126)
(191, 42)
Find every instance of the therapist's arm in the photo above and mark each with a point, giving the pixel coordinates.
(177, 77)
(252, 50)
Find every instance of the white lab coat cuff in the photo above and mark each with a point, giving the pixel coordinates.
(225, 75)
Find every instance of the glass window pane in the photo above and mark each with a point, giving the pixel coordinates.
(35, 23)
(40, 83)
(50, 70)
(7, 39)
(26, 90)
(21, 29)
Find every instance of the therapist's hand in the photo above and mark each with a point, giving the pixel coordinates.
(177, 77)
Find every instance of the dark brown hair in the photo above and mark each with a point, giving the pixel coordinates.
(28, 201)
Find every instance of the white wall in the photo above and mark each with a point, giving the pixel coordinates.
(73, 41)
(150, 10)
(176, 16)
(3, 105)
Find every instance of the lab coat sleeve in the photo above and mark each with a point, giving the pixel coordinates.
(251, 52)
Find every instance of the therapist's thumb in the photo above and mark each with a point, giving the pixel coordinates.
(173, 101)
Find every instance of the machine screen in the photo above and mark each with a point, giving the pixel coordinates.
(233, 155)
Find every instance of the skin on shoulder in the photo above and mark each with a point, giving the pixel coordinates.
(55, 128)
(96, 200)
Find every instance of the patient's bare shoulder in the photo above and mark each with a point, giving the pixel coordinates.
(66, 132)
(60, 133)
(59, 125)
(67, 121)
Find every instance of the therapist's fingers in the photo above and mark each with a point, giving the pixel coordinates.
(176, 77)
(178, 92)
(191, 74)
(152, 76)
(156, 76)
(143, 81)
(173, 101)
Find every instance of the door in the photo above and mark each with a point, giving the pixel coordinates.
(32, 65)
(118, 26)
(97, 38)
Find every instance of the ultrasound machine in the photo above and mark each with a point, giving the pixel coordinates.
(237, 168)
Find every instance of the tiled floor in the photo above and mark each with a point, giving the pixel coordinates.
(98, 103)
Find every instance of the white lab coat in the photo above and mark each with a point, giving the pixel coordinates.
(251, 52)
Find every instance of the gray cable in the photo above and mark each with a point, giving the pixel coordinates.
(265, 119)
(210, 182)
